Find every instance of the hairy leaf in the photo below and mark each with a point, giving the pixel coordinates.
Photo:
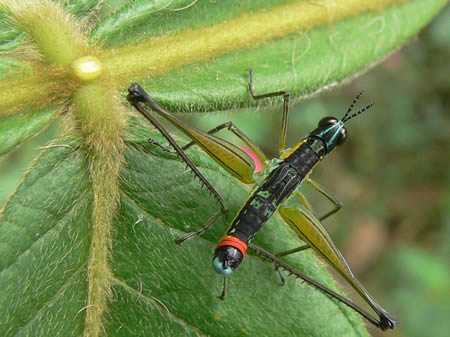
(158, 286)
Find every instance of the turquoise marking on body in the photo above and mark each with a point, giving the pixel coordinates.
(264, 194)
(339, 126)
(256, 203)
(268, 213)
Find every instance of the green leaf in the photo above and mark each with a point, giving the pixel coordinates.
(158, 286)
(316, 57)
(331, 44)
(12, 37)
(80, 8)
(42, 250)
(131, 19)
(15, 129)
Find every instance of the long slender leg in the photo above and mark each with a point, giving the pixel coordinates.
(240, 134)
(337, 204)
(232, 158)
(315, 284)
(286, 101)
(201, 230)
(227, 125)
(311, 231)
(247, 163)
(162, 146)
(224, 289)
(292, 251)
(134, 99)
(304, 201)
(282, 278)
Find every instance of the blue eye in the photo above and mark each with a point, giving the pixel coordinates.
(226, 259)
(219, 267)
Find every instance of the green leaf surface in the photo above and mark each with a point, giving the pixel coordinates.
(15, 129)
(315, 57)
(80, 8)
(132, 19)
(12, 37)
(10, 65)
(160, 289)
(312, 59)
(44, 247)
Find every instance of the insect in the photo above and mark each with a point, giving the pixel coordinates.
(281, 181)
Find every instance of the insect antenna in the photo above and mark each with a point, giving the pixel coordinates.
(347, 115)
(358, 112)
(352, 105)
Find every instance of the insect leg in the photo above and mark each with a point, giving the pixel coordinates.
(265, 254)
(238, 133)
(311, 231)
(337, 204)
(229, 156)
(135, 100)
(224, 289)
(229, 126)
(282, 278)
(162, 146)
(292, 251)
(286, 100)
(202, 229)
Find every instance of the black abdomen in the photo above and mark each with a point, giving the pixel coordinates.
(264, 201)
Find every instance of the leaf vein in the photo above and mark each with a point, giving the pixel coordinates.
(154, 302)
(52, 300)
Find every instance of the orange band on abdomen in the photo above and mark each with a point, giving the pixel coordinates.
(233, 242)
